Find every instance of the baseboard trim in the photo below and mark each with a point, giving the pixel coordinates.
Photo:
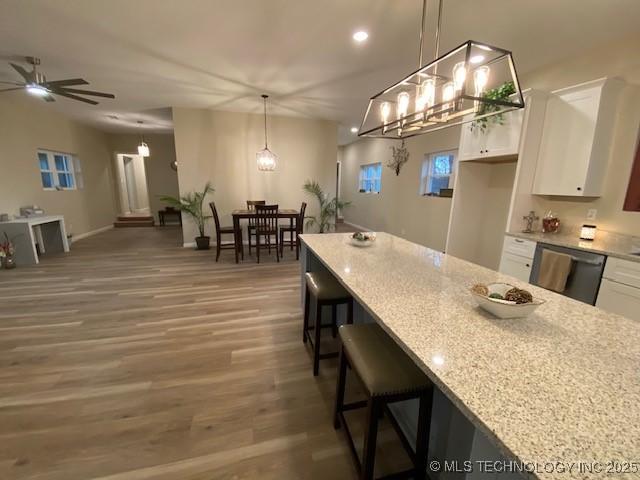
(75, 238)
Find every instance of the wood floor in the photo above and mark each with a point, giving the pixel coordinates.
(131, 358)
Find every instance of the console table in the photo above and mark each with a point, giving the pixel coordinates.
(48, 232)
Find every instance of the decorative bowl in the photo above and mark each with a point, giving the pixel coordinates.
(504, 308)
(362, 239)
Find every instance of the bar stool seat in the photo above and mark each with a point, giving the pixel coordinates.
(326, 291)
(381, 364)
(388, 375)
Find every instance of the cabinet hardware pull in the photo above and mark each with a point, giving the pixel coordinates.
(517, 240)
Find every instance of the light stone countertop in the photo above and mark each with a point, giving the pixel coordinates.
(606, 243)
(560, 385)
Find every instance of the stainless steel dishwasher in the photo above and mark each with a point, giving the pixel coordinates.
(586, 272)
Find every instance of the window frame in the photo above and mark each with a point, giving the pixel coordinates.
(72, 164)
(363, 177)
(427, 175)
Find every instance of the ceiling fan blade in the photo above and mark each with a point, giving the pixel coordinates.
(12, 83)
(67, 82)
(49, 98)
(75, 97)
(26, 75)
(10, 89)
(84, 92)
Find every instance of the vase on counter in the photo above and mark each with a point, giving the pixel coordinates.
(550, 223)
(8, 262)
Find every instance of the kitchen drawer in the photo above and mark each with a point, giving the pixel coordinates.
(618, 298)
(622, 271)
(515, 266)
(519, 246)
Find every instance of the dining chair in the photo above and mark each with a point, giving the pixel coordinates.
(293, 231)
(251, 227)
(266, 226)
(223, 231)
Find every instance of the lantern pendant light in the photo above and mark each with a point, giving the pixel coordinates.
(143, 148)
(457, 87)
(266, 158)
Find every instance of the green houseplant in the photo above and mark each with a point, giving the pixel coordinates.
(503, 92)
(325, 220)
(192, 204)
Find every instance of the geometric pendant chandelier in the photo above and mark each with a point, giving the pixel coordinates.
(460, 86)
(265, 158)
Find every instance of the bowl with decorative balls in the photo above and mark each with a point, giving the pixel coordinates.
(504, 300)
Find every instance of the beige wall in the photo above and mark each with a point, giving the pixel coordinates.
(27, 124)
(619, 59)
(399, 208)
(161, 179)
(221, 147)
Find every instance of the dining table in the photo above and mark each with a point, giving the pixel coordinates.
(242, 214)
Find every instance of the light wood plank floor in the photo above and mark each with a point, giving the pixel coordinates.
(132, 358)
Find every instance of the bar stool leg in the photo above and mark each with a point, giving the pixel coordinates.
(422, 438)
(370, 437)
(334, 320)
(316, 346)
(342, 380)
(350, 311)
(305, 323)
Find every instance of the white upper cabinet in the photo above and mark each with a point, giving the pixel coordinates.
(576, 139)
(496, 141)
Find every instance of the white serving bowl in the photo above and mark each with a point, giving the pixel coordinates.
(363, 243)
(504, 308)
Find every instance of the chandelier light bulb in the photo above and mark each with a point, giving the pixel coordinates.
(385, 110)
(459, 75)
(448, 92)
(403, 104)
(480, 80)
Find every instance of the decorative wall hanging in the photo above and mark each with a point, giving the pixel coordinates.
(400, 157)
(454, 88)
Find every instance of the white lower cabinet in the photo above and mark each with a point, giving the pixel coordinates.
(516, 266)
(619, 298)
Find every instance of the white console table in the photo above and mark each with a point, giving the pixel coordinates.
(48, 232)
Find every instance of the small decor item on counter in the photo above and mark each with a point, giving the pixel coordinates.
(400, 157)
(31, 211)
(7, 251)
(363, 239)
(550, 223)
(588, 232)
(4, 217)
(504, 300)
(532, 217)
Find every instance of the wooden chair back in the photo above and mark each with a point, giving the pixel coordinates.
(216, 219)
(251, 206)
(300, 223)
(266, 218)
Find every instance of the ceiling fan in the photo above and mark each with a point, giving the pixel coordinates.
(37, 84)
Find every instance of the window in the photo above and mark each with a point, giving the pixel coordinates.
(59, 171)
(437, 172)
(370, 178)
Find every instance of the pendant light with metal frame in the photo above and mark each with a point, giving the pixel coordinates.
(143, 148)
(463, 85)
(266, 159)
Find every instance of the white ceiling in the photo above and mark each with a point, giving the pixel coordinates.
(154, 54)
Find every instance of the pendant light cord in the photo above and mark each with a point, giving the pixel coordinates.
(264, 98)
(424, 14)
(438, 30)
(422, 28)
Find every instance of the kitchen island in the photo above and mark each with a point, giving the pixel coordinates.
(558, 389)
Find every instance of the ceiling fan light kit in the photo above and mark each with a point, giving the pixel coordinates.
(265, 158)
(450, 90)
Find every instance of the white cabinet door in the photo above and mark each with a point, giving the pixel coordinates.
(515, 266)
(618, 298)
(622, 271)
(472, 143)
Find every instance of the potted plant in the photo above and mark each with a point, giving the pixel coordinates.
(7, 251)
(191, 204)
(328, 208)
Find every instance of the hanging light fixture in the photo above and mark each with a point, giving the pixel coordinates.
(266, 158)
(143, 148)
(450, 90)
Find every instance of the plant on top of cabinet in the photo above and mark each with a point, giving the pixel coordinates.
(503, 92)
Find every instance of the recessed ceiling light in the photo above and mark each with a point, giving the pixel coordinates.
(360, 36)
(476, 59)
(354, 129)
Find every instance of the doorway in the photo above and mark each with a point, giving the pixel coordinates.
(132, 183)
